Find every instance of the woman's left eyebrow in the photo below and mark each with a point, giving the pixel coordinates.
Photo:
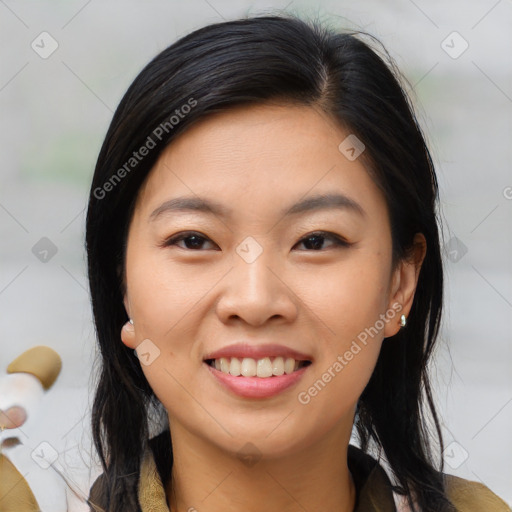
(325, 202)
(308, 204)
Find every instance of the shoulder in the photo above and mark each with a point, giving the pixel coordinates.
(150, 493)
(469, 496)
(154, 469)
(374, 486)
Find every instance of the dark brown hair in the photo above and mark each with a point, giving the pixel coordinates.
(252, 61)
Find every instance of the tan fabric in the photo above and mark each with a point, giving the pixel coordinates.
(473, 496)
(42, 362)
(374, 494)
(15, 494)
(151, 490)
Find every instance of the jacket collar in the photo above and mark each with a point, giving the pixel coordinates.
(373, 487)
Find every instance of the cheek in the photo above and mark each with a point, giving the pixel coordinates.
(166, 299)
(334, 389)
(351, 304)
(348, 297)
(162, 293)
(347, 359)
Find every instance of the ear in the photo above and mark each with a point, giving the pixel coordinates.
(126, 303)
(128, 329)
(404, 282)
(128, 335)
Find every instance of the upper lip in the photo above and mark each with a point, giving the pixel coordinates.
(242, 350)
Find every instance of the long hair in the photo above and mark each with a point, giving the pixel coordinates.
(251, 61)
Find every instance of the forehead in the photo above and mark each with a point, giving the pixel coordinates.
(251, 157)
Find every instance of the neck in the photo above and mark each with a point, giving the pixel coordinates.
(206, 477)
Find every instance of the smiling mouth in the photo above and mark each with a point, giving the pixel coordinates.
(264, 368)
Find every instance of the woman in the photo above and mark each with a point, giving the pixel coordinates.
(262, 233)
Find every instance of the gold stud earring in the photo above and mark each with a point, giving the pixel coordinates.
(403, 321)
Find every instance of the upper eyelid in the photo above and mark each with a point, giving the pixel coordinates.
(326, 234)
(186, 234)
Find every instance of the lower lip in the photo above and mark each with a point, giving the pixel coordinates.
(257, 387)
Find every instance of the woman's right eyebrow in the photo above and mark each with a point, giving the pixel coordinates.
(191, 203)
(308, 204)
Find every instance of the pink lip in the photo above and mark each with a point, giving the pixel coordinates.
(257, 387)
(242, 350)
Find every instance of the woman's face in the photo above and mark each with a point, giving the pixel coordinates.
(256, 239)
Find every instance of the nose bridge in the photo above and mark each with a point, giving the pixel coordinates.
(252, 276)
(253, 289)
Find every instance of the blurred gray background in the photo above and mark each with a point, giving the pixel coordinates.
(66, 64)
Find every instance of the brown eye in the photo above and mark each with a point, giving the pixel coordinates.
(315, 241)
(190, 240)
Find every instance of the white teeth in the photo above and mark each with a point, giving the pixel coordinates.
(235, 368)
(224, 365)
(248, 368)
(289, 365)
(263, 368)
(278, 366)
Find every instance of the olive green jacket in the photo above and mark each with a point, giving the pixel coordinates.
(373, 487)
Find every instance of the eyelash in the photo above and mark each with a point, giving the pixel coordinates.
(337, 240)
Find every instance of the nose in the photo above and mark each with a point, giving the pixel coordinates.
(256, 293)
